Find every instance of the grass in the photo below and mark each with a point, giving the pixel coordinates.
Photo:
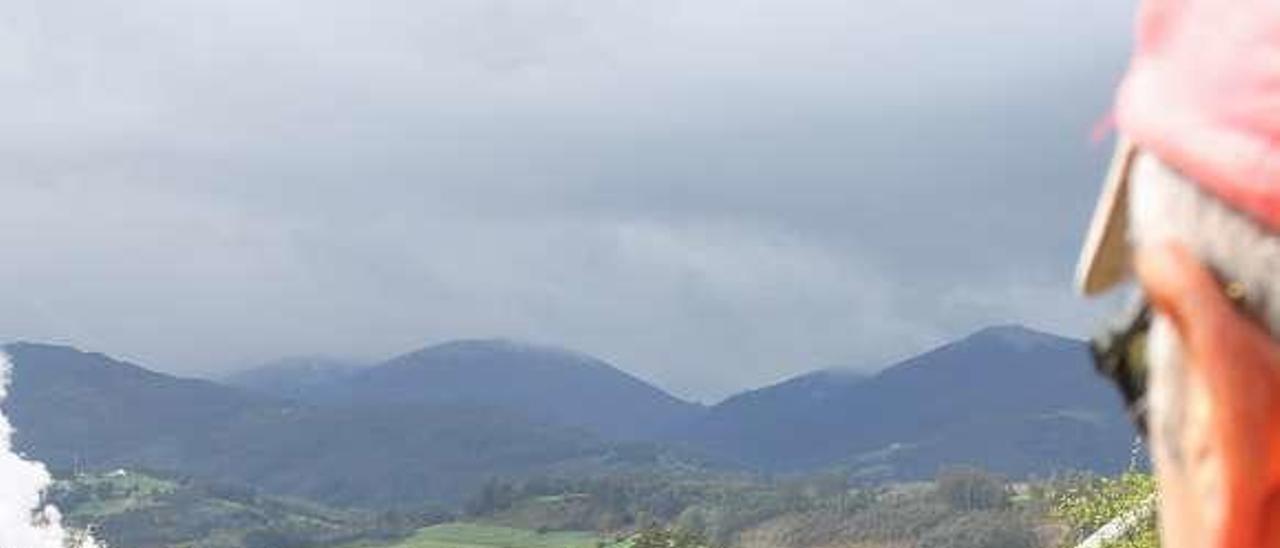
(135, 509)
(472, 535)
(123, 492)
(191, 517)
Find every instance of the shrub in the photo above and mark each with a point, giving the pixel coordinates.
(1090, 503)
(970, 489)
(982, 530)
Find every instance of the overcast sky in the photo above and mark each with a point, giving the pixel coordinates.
(711, 194)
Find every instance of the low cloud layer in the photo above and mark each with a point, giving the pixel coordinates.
(713, 195)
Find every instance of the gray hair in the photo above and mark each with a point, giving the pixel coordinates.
(1166, 206)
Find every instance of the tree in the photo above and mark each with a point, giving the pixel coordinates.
(970, 489)
(495, 496)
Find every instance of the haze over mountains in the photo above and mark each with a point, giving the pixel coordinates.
(546, 384)
(432, 425)
(296, 378)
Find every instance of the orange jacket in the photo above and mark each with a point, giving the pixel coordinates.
(1203, 94)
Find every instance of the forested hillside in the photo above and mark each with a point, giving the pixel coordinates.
(1007, 398)
(80, 410)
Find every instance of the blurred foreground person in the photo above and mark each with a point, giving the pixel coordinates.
(1192, 207)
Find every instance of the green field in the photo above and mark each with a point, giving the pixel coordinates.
(142, 510)
(469, 535)
(117, 493)
(136, 509)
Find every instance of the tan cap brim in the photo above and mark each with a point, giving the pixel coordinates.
(1106, 258)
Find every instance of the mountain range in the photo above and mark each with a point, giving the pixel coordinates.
(74, 410)
(546, 384)
(432, 425)
(1006, 398)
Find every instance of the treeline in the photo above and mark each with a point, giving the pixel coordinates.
(606, 504)
(135, 509)
(962, 508)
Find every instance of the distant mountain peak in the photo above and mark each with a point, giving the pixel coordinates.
(481, 342)
(498, 345)
(498, 350)
(546, 383)
(1017, 335)
(32, 344)
(1006, 396)
(24, 347)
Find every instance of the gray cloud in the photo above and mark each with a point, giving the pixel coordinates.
(712, 194)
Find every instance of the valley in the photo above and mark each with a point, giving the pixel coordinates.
(431, 449)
